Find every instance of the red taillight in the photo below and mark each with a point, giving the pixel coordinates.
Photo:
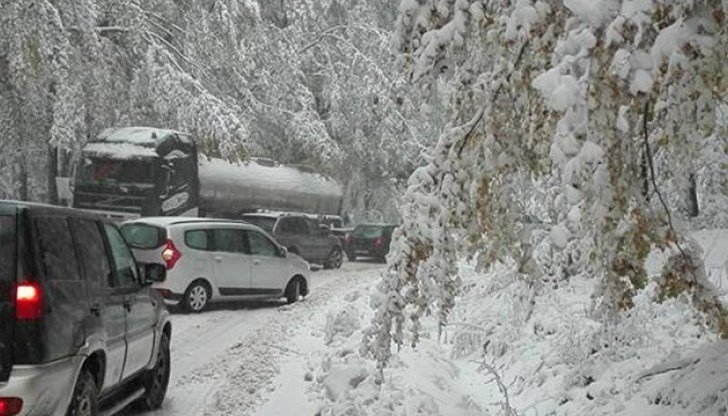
(348, 240)
(10, 406)
(28, 302)
(170, 254)
(378, 242)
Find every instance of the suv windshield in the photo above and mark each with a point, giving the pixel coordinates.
(143, 236)
(266, 223)
(113, 171)
(368, 231)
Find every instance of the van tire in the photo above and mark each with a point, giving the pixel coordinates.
(85, 399)
(293, 290)
(197, 297)
(156, 380)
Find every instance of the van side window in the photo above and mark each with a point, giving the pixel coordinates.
(123, 264)
(198, 239)
(91, 252)
(56, 246)
(230, 240)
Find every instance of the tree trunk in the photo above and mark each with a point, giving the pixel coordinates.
(693, 208)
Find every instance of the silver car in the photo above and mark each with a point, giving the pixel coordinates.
(210, 260)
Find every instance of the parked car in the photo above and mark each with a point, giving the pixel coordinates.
(81, 331)
(369, 240)
(301, 234)
(209, 260)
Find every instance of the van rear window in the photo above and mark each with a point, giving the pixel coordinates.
(143, 236)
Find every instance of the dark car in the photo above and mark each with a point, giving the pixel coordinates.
(369, 240)
(81, 332)
(303, 235)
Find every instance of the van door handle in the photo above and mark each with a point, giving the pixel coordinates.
(256, 262)
(127, 304)
(96, 309)
(218, 258)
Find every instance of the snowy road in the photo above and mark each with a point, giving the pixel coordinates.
(240, 359)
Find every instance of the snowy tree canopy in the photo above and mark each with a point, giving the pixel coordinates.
(564, 115)
(305, 82)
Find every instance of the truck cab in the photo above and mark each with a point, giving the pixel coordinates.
(138, 171)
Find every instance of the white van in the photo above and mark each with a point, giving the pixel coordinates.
(210, 260)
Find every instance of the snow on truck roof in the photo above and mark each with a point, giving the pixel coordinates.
(140, 136)
(130, 142)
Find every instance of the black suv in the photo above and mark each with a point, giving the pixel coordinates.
(369, 240)
(303, 235)
(81, 331)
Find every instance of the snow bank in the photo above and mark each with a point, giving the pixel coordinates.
(538, 350)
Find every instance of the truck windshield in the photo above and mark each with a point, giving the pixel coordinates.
(110, 171)
(266, 223)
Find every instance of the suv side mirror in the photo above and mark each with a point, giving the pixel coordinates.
(153, 273)
(282, 251)
(324, 230)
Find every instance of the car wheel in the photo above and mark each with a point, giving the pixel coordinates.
(196, 297)
(85, 401)
(293, 291)
(351, 256)
(156, 380)
(336, 258)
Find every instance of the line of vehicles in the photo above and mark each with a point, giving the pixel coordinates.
(84, 325)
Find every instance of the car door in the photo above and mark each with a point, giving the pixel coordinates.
(269, 273)
(106, 321)
(319, 239)
(137, 302)
(231, 263)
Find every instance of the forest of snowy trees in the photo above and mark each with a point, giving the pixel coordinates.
(306, 81)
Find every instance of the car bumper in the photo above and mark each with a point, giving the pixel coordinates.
(45, 389)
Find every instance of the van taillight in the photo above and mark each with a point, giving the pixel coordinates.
(10, 406)
(170, 254)
(28, 301)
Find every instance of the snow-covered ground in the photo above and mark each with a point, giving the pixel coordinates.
(247, 359)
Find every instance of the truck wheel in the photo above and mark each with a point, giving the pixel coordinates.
(156, 380)
(336, 257)
(293, 290)
(85, 400)
(196, 297)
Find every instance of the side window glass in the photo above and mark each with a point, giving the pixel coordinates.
(301, 226)
(229, 240)
(56, 245)
(91, 252)
(286, 225)
(260, 245)
(123, 264)
(198, 239)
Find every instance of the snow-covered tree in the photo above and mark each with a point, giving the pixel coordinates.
(584, 91)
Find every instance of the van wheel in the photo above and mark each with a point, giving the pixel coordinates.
(196, 297)
(336, 258)
(156, 380)
(293, 290)
(85, 400)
